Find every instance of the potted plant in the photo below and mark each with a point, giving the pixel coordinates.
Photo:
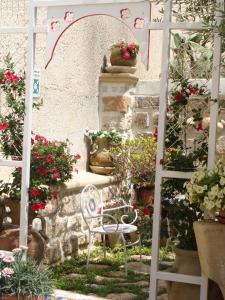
(22, 279)
(206, 190)
(135, 169)
(124, 54)
(101, 144)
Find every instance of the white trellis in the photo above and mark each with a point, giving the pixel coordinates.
(166, 26)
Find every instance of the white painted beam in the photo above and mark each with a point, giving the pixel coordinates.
(11, 163)
(179, 277)
(49, 3)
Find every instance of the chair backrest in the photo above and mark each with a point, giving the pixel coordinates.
(91, 205)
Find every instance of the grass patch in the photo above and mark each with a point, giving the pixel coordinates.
(88, 282)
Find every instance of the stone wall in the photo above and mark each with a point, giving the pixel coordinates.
(66, 230)
(127, 104)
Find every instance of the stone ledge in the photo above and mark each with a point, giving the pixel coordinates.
(118, 78)
(83, 178)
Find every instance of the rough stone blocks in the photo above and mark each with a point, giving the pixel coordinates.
(116, 103)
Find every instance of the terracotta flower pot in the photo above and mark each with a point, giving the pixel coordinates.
(145, 194)
(210, 237)
(117, 59)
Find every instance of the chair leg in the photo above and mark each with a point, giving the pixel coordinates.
(125, 252)
(140, 247)
(104, 246)
(89, 248)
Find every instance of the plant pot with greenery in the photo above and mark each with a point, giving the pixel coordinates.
(207, 190)
(124, 54)
(101, 144)
(22, 278)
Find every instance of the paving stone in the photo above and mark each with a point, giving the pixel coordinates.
(75, 275)
(141, 283)
(139, 267)
(117, 274)
(99, 279)
(123, 296)
(143, 257)
(96, 266)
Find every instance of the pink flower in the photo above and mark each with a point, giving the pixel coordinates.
(37, 155)
(192, 89)
(77, 156)
(130, 47)
(55, 174)
(8, 259)
(16, 250)
(126, 55)
(124, 49)
(7, 272)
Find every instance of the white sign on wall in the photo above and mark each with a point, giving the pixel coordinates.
(36, 83)
(135, 16)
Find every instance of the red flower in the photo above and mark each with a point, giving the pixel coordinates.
(199, 127)
(55, 174)
(54, 195)
(38, 206)
(126, 55)
(155, 134)
(124, 49)
(3, 126)
(10, 77)
(145, 211)
(42, 171)
(37, 155)
(49, 159)
(77, 156)
(192, 89)
(35, 192)
(179, 96)
(130, 47)
(135, 206)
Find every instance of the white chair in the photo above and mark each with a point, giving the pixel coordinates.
(95, 215)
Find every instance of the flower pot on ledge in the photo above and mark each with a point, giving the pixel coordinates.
(101, 159)
(117, 59)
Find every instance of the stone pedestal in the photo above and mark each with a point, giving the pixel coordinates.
(117, 101)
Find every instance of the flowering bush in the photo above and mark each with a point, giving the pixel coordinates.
(112, 136)
(127, 50)
(51, 165)
(135, 159)
(207, 188)
(12, 86)
(23, 278)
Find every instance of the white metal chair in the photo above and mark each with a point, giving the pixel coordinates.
(94, 214)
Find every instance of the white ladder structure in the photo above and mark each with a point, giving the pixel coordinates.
(167, 25)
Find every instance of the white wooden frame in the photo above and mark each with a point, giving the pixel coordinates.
(166, 26)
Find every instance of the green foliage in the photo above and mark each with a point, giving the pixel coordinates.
(113, 137)
(25, 279)
(135, 160)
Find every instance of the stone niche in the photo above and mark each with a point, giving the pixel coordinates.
(65, 230)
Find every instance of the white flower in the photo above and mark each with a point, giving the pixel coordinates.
(2, 255)
(16, 250)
